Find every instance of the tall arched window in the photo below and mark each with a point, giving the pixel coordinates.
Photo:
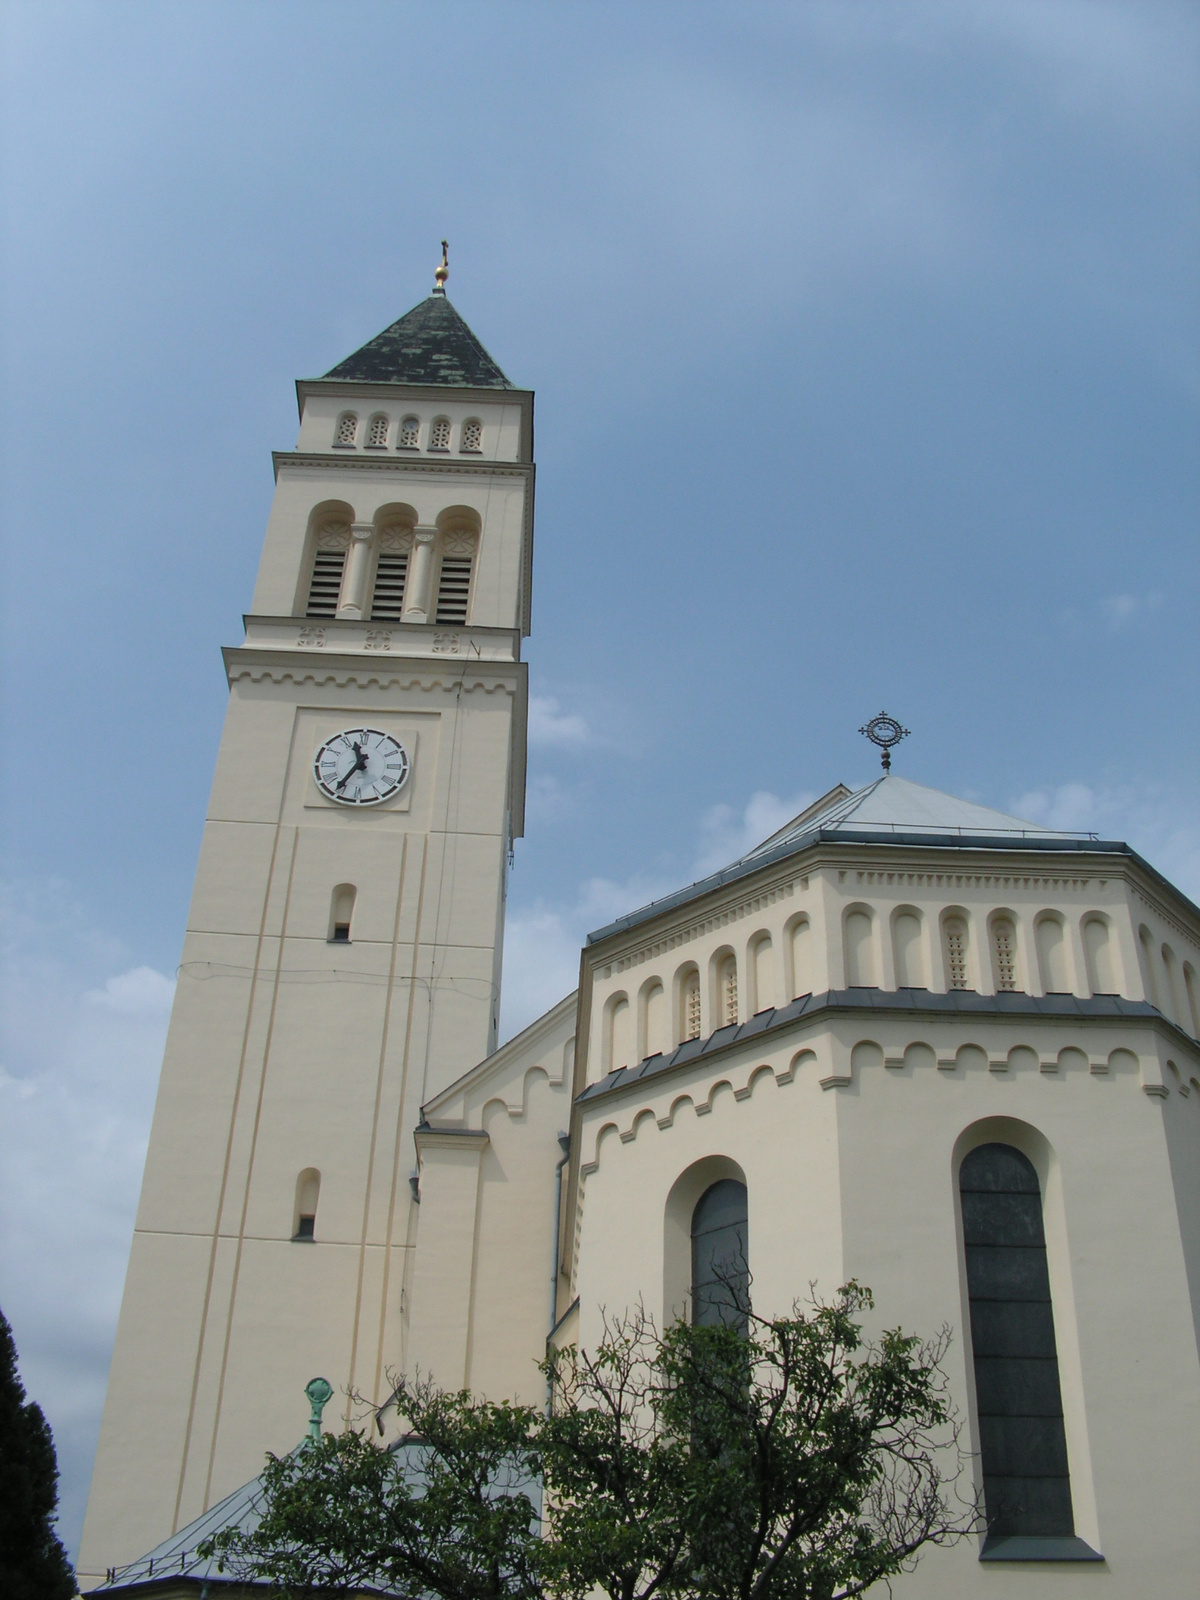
(346, 431)
(377, 432)
(308, 1192)
(439, 434)
(802, 979)
(1098, 955)
(1022, 1439)
(1146, 945)
(906, 949)
(689, 1004)
(616, 1034)
(859, 940)
(654, 1020)
(1192, 992)
(1052, 954)
(341, 911)
(410, 428)
(762, 957)
(1004, 953)
(720, 1259)
(955, 948)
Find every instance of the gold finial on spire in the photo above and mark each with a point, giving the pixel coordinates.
(443, 269)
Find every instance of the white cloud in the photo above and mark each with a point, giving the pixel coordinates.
(140, 992)
(83, 1044)
(1122, 610)
(542, 941)
(727, 834)
(551, 726)
(1160, 826)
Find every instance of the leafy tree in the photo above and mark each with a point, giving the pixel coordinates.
(451, 1510)
(33, 1564)
(765, 1459)
(776, 1459)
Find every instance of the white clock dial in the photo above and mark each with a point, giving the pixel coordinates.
(361, 767)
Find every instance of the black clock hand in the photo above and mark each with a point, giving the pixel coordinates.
(360, 764)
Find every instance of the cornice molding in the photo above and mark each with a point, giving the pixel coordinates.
(352, 461)
(448, 674)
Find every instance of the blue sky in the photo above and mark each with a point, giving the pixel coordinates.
(865, 344)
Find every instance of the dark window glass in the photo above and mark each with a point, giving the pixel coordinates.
(720, 1265)
(1022, 1443)
(341, 933)
(306, 1228)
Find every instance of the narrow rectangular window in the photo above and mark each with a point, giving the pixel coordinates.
(391, 575)
(454, 589)
(326, 583)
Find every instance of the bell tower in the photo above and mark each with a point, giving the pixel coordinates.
(342, 958)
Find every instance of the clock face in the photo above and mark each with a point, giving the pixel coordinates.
(361, 767)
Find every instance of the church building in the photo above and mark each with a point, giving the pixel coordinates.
(907, 1040)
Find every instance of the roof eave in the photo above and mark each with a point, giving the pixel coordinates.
(859, 837)
(381, 389)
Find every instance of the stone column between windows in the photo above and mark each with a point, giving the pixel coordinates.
(420, 575)
(352, 599)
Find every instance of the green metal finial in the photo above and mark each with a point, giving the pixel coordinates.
(319, 1393)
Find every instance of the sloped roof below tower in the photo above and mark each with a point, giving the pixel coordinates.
(894, 807)
(431, 344)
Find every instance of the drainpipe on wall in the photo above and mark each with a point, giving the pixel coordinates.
(564, 1144)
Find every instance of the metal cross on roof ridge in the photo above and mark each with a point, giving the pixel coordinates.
(885, 732)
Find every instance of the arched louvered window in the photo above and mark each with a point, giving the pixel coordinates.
(347, 430)
(391, 577)
(439, 434)
(472, 436)
(326, 585)
(377, 432)
(410, 429)
(954, 941)
(454, 589)
(727, 990)
(1022, 1438)
(720, 1260)
(1004, 953)
(689, 1004)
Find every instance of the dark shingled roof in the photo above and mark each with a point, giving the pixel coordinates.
(431, 344)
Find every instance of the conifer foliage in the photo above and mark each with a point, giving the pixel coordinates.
(33, 1563)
